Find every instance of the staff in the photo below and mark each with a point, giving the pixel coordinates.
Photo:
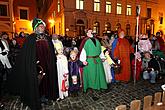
(137, 31)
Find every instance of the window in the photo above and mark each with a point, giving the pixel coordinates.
(161, 20)
(161, 17)
(58, 6)
(3, 10)
(96, 5)
(148, 12)
(118, 8)
(108, 7)
(80, 4)
(129, 11)
(96, 28)
(23, 14)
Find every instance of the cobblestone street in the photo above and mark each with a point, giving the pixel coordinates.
(98, 100)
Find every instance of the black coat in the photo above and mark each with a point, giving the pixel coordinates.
(24, 80)
(153, 63)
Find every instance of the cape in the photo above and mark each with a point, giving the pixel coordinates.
(82, 45)
(24, 81)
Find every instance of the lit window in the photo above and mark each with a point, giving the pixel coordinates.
(129, 11)
(119, 8)
(3, 10)
(59, 6)
(96, 5)
(108, 7)
(80, 4)
(96, 28)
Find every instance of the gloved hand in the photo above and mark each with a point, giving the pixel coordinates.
(4, 53)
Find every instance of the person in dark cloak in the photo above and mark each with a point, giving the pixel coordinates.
(75, 77)
(35, 75)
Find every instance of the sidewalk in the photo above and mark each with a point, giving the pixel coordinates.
(105, 100)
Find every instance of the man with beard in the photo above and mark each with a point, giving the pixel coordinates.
(35, 76)
(93, 71)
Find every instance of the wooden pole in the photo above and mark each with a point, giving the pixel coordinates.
(136, 40)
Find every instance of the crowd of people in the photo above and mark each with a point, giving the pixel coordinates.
(40, 67)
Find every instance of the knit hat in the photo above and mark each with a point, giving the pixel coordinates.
(37, 22)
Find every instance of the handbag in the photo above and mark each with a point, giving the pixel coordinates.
(117, 68)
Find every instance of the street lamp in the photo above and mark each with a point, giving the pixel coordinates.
(67, 30)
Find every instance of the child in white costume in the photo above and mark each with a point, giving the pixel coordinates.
(107, 62)
(62, 69)
(144, 44)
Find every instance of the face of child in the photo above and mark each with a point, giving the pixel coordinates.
(107, 53)
(147, 55)
(73, 56)
(60, 51)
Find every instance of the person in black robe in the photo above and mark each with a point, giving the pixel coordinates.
(35, 75)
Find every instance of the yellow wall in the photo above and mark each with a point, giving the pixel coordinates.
(23, 25)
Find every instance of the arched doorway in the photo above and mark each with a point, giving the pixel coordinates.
(148, 30)
(107, 27)
(128, 28)
(80, 27)
(118, 26)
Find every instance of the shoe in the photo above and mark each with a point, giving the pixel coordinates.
(152, 82)
(163, 87)
(95, 98)
(43, 99)
(1, 106)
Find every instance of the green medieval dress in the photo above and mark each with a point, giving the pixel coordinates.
(93, 73)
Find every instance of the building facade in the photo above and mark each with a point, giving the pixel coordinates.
(24, 12)
(6, 9)
(103, 16)
(16, 16)
(73, 17)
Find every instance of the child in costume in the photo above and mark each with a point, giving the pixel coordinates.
(62, 69)
(107, 63)
(144, 44)
(74, 73)
(138, 65)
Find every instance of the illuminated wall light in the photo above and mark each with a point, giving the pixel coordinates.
(51, 21)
